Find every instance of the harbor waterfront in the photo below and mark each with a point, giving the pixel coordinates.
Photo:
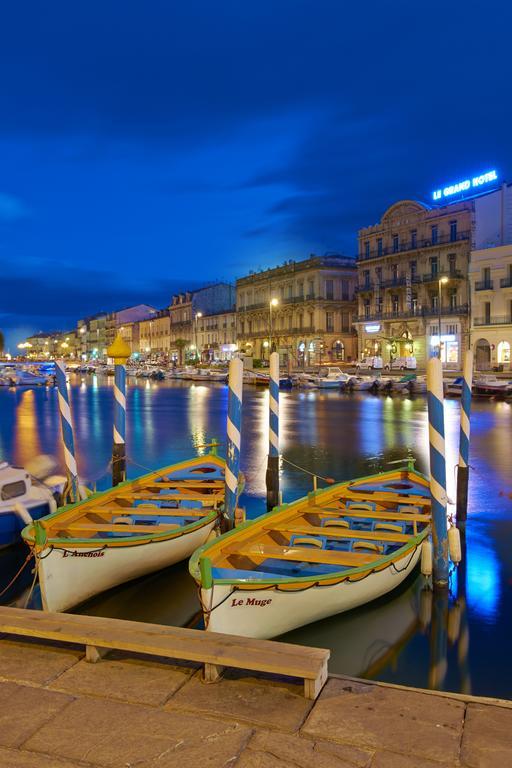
(335, 435)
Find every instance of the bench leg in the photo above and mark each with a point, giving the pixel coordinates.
(93, 654)
(212, 673)
(312, 688)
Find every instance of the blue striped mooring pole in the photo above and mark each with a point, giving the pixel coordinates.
(120, 351)
(435, 398)
(234, 431)
(272, 477)
(465, 414)
(68, 438)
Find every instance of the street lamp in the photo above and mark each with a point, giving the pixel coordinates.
(273, 303)
(442, 281)
(198, 315)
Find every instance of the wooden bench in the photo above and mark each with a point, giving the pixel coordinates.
(214, 650)
(337, 533)
(301, 554)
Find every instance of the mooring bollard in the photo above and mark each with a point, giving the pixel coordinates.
(68, 439)
(435, 399)
(120, 351)
(272, 477)
(234, 429)
(465, 426)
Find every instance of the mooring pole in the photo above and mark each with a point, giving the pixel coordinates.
(435, 398)
(234, 430)
(465, 426)
(273, 434)
(68, 438)
(120, 351)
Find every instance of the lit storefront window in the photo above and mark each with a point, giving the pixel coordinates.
(503, 352)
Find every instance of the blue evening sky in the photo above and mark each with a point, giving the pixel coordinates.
(147, 146)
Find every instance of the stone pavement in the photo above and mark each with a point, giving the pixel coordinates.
(57, 711)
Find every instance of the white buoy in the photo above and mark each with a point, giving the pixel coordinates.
(426, 558)
(454, 545)
(23, 513)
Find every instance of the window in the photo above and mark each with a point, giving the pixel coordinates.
(413, 266)
(486, 276)
(414, 238)
(434, 299)
(290, 290)
(311, 289)
(366, 275)
(487, 312)
(378, 305)
(249, 323)
(394, 272)
(311, 320)
(329, 289)
(329, 321)
(414, 303)
(300, 319)
(367, 249)
(289, 321)
(345, 322)
(395, 304)
(435, 234)
(301, 289)
(345, 294)
(378, 274)
(395, 243)
(367, 308)
(503, 352)
(453, 300)
(434, 266)
(452, 261)
(379, 246)
(453, 231)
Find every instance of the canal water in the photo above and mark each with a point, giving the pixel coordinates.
(461, 644)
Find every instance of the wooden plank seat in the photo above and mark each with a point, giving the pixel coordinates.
(301, 554)
(206, 498)
(108, 511)
(410, 518)
(120, 528)
(214, 650)
(338, 533)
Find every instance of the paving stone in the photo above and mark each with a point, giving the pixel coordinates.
(392, 760)
(29, 662)
(23, 710)
(384, 718)
(141, 682)
(19, 758)
(119, 735)
(487, 739)
(254, 700)
(284, 751)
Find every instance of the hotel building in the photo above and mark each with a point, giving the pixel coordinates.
(413, 277)
(302, 309)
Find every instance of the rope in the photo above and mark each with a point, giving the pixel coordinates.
(307, 471)
(20, 570)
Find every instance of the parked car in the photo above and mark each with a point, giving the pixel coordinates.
(371, 363)
(402, 364)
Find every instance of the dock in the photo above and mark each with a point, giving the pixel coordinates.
(146, 710)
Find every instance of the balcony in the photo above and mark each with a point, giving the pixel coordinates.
(504, 320)
(403, 314)
(434, 277)
(506, 282)
(484, 285)
(405, 248)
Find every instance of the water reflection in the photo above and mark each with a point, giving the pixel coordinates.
(408, 637)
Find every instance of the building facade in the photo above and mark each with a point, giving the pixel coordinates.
(413, 278)
(491, 280)
(303, 309)
(186, 311)
(216, 336)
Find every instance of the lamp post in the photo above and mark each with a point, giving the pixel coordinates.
(273, 303)
(198, 315)
(442, 281)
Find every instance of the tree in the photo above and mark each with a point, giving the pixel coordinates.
(180, 346)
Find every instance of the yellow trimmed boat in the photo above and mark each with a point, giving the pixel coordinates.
(334, 550)
(137, 527)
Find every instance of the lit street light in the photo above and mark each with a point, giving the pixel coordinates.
(197, 316)
(273, 303)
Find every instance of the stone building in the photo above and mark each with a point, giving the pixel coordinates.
(413, 276)
(216, 336)
(303, 309)
(187, 309)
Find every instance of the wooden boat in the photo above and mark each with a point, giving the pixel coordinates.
(334, 550)
(137, 527)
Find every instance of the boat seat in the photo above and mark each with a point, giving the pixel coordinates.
(290, 568)
(239, 573)
(372, 546)
(298, 539)
(361, 506)
(334, 521)
(391, 527)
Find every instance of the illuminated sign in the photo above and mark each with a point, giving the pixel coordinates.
(434, 340)
(372, 328)
(465, 186)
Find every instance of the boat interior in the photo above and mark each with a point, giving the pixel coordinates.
(315, 537)
(155, 504)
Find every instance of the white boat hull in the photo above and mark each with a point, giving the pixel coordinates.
(70, 576)
(268, 613)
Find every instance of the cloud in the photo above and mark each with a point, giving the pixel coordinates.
(11, 208)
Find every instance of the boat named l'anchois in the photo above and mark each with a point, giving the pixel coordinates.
(334, 550)
(135, 528)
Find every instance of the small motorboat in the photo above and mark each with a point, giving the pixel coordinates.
(489, 386)
(138, 527)
(330, 377)
(362, 383)
(336, 549)
(418, 385)
(22, 499)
